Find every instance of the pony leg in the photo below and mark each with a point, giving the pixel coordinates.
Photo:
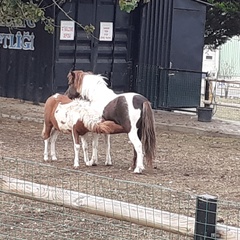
(45, 153)
(85, 151)
(94, 159)
(108, 146)
(53, 138)
(76, 147)
(76, 155)
(46, 135)
(138, 148)
(133, 161)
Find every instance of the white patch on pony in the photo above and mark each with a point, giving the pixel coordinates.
(68, 114)
(134, 115)
(94, 88)
(56, 95)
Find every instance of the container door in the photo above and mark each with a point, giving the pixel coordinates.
(184, 88)
(106, 51)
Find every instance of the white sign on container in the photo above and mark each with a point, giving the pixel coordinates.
(67, 29)
(106, 31)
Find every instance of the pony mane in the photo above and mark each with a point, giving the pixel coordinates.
(94, 87)
(97, 79)
(86, 83)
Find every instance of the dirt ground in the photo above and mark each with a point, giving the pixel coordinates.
(186, 162)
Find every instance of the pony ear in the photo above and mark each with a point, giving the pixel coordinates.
(71, 77)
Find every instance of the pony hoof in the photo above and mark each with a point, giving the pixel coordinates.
(108, 164)
(76, 167)
(94, 164)
(89, 163)
(138, 170)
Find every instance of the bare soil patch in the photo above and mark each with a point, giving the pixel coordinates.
(185, 162)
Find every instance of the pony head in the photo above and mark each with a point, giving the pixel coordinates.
(74, 84)
(75, 81)
(86, 85)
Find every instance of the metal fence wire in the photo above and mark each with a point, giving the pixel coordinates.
(178, 89)
(169, 88)
(39, 201)
(224, 97)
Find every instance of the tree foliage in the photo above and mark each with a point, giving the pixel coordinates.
(128, 5)
(13, 13)
(222, 20)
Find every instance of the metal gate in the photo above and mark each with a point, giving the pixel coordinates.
(88, 53)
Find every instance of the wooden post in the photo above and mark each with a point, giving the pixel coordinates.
(170, 222)
(206, 213)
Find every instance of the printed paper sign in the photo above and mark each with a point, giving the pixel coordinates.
(67, 29)
(106, 31)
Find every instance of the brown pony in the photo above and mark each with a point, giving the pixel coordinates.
(132, 111)
(77, 117)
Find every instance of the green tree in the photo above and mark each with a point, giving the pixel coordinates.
(14, 12)
(222, 21)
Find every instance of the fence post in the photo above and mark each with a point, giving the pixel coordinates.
(205, 222)
(207, 93)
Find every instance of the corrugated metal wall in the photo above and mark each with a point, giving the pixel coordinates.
(87, 52)
(229, 59)
(172, 36)
(154, 46)
(187, 36)
(156, 28)
(26, 57)
(155, 37)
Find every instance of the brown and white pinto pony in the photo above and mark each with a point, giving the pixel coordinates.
(130, 110)
(62, 114)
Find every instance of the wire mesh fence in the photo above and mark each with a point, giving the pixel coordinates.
(23, 216)
(35, 220)
(224, 96)
(177, 89)
(169, 88)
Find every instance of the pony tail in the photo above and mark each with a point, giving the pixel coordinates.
(148, 133)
